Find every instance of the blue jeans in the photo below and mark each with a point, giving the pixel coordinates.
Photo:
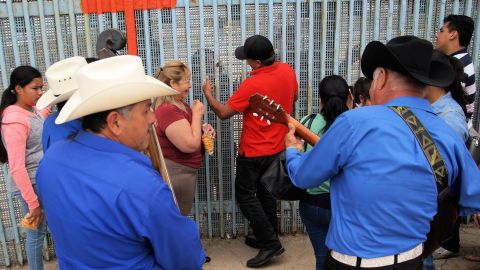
(428, 263)
(316, 220)
(35, 238)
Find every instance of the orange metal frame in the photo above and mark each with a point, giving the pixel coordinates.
(129, 7)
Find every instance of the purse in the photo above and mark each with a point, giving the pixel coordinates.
(278, 183)
(276, 179)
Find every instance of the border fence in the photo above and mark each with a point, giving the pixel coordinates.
(316, 37)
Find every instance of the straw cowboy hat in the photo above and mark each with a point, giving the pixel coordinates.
(61, 81)
(410, 56)
(111, 83)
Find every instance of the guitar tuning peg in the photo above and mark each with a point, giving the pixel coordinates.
(268, 122)
(271, 102)
(265, 97)
(261, 118)
(255, 114)
(278, 107)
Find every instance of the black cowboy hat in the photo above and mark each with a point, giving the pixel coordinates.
(410, 56)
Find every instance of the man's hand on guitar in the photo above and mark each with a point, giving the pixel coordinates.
(291, 140)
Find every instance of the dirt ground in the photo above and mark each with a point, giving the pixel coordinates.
(232, 254)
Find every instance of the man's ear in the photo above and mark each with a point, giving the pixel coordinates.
(114, 123)
(256, 64)
(378, 80)
(453, 34)
(382, 79)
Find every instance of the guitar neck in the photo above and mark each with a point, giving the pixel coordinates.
(154, 151)
(303, 132)
(265, 107)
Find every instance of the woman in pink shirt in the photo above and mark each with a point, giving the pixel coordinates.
(21, 147)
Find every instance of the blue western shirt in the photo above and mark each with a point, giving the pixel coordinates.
(107, 208)
(382, 188)
(448, 109)
(53, 133)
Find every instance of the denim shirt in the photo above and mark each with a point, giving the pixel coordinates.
(450, 112)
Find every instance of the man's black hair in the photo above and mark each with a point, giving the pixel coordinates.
(98, 121)
(464, 25)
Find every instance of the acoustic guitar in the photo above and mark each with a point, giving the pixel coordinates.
(267, 109)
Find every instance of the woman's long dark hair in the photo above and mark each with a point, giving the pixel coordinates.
(21, 76)
(334, 95)
(361, 88)
(456, 88)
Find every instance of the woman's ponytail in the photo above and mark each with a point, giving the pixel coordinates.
(334, 93)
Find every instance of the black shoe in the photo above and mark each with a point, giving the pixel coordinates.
(264, 256)
(207, 259)
(252, 242)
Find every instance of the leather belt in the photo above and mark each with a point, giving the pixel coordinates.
(380, 261)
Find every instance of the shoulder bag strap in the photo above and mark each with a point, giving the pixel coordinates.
(435, 159)
(308, 119)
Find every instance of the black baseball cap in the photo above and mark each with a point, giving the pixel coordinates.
(256, 47)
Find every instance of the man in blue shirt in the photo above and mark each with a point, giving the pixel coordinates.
(63, 84)
(106, 206)
(383, 191)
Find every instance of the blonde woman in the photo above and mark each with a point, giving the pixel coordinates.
(179, 131)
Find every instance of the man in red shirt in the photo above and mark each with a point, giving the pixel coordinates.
(260, 142)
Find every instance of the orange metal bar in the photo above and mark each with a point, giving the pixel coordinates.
(131, 27)
(102, 6)
(99, 7)
(113, 5)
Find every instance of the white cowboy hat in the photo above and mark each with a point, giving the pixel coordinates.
(111, 83)
(61, 81)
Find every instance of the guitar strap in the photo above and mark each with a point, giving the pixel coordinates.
(442, 225)
(435, 159)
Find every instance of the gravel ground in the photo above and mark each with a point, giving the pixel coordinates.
(232, 254)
